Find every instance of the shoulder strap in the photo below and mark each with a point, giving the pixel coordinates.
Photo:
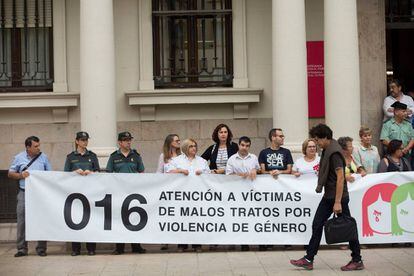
(212, 150)
(31, 162)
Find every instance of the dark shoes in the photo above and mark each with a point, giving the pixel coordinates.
(75, 253)
(139, 250)
(245, 248)
(303, 263)
(117, 252)
(352, 265)
(20, 254)
(42, 253)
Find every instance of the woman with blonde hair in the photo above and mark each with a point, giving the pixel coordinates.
(365, 153)
(309, 163)
(188, 162)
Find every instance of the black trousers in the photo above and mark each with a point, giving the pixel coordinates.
(120, 247)
(90, 246)
(324, 211)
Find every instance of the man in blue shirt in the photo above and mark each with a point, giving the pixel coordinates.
(29, 160)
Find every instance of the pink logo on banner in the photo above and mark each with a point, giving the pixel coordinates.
(376, 209)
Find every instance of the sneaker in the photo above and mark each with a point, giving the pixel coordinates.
(75, 253)
(91, 253)
(20, 254)
(352, 265)
(308, 265)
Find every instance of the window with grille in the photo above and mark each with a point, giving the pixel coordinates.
(192, 42)
(26, 40)
(399, 10)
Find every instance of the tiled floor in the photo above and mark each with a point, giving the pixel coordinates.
(378, 261)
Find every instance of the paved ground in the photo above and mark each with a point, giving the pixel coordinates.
(378, 261)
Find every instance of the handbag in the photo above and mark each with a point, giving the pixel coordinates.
(340, 228)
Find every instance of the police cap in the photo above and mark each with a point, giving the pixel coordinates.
(399, 105)
(82, 135)
(124, 136)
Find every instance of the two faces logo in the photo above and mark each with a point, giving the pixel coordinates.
(388, 209)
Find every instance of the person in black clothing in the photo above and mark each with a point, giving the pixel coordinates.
(331, 178)
(220, 152)
(394, 161)
(276, 159)
(84, 162)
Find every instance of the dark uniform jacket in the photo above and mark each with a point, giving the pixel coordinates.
(118, 163)
(88, 161)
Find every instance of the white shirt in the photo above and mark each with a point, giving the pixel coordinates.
(305, 167)
(182, 162)
(238, 164)
(161, 164)
(388, 101)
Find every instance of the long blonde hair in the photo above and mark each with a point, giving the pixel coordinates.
(166, 149)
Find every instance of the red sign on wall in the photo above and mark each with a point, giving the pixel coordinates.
(316, 86)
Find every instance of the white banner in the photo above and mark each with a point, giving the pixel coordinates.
(207, 209)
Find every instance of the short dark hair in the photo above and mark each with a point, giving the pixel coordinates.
(216, 131)
(245, 139)
(30, 139)
(397, 82)
(393, 146)
(342, 141)
(272, 132)
(321, 131)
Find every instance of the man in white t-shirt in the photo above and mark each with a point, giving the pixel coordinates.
(243, 163)
(396, 94)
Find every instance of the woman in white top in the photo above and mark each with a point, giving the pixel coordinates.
(170, 150)
(309, 163)
(188, 162)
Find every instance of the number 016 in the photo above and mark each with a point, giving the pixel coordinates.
(106, 203)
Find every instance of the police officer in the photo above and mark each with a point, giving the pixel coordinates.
(125, 160)
(83, 162)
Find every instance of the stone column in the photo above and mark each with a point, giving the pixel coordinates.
(342, 86)
(97, 75)
(59, 46)
(290, 85)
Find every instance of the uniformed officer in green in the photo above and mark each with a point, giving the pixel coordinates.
(125, 160)
(398, 128)
(84, 162)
